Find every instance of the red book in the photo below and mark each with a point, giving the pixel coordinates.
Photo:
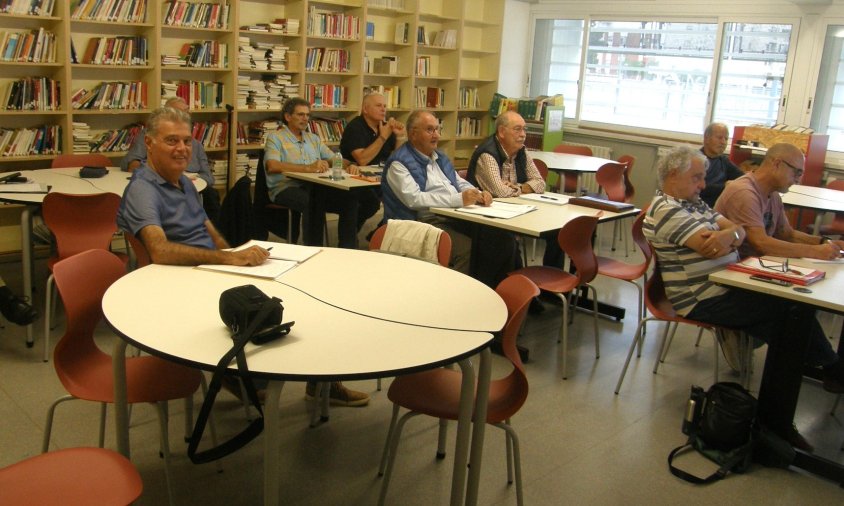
(773, 268)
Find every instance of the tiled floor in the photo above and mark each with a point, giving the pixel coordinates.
(581, 444)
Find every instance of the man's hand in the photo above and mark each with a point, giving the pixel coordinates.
(475, 196)
(254, 255)
(319, 166)
(353, 169)
(397, 127)
(385, 129)
(827, 251)
(717, 243)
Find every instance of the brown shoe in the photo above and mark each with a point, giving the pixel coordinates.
(339, 395)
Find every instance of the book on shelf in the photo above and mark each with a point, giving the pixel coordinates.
(123, 11)
(401, 33)
(778, 268)
(370, 30)
(27, 7)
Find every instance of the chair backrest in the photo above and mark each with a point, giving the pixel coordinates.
(639, 238)
(443, 249)
(610, 177)
(629, 190)
(542, 167)
(573, 150)
(463, 173)
(82, 280)
(81, 160)
(142, 258)
(575, 239)
(837, 225)
(268, 216)
(517, 291)
(81, 222)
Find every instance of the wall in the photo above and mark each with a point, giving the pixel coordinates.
(515, 49)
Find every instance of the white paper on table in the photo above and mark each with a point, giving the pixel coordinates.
(503, 210)
(23, 188)
(547, 198)
(284, 251)
(839, 260)
(270, 269)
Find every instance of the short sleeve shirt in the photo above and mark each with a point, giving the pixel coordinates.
(358, 135)
(150, 200)
(744, 204)
(283, 146)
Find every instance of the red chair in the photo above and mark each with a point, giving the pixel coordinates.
(837, 225)
(629, 190)
(71, 477)
(443, 251)
(142, 258)
(569, 177)
(79, 223)
(437, 392)
(81, 160)
(575, 239)
(85, 371)
(542, 167)
(610, 177)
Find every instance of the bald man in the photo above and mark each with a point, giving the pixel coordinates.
(369, 139)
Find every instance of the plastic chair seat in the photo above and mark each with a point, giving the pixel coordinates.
(550, 279)
(620, 270)
(71, 477)
(80, 160)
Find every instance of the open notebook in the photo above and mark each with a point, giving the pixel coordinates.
(778, 268)
(283, 257)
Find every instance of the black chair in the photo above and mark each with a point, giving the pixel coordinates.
(269, 216)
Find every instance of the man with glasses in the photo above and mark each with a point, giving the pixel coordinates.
(721, 168)
(753, 201)
(418, 176)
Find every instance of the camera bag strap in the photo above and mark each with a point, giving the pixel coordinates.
(257, 425)
(737, 456)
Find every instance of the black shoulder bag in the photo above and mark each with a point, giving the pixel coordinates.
(250, 315)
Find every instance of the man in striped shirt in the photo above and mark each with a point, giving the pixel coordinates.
(691, 241)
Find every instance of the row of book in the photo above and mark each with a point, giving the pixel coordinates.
(27, 7)
(326, 95)
(391, 94)
(469, 127)
(283, 26)
(120, 11)
(198, 95)
(323, 23)
(256, 132)
(441, 38)
(219, 170)
(468, 98)
(36, 46)
(257, 55)
(327, 129)
(528, 108)
(321, 59)
(211, 134)
(381, 65)
(42, 140)
(429, 97)
(196, 15)
(423, 65)
(267, 93)
(116, 140)
(204, 54)
(124, 50)
(32, 94)
(386, 4)
(126, 95)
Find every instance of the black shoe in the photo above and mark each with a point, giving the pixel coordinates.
(833, 378)
(19, 311)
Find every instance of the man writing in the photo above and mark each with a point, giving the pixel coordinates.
(418, 177)
(721, 169)
(754, 202)
(691, 241)
(198, 165)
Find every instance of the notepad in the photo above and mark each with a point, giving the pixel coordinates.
(284, 251)
(503, 210)
(796, 274)
(546, 198)
(24, 188)
(270, 269)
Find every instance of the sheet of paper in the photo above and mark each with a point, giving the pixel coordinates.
(270, 269)
(498, 210)
(284, 251)
(23, 188)
(546, 198)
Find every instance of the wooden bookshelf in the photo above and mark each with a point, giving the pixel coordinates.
(470, 62)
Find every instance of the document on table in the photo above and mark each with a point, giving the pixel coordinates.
(503, 210)
(284, 251)
(270, 269)
(546, 198)
(24, 188)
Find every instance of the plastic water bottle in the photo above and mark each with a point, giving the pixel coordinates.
(337, 167)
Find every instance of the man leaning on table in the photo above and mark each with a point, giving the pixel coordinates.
(691, 241)
(754, 202)
(418, 176)
(721, 168)
(161, 207)
(198, 165)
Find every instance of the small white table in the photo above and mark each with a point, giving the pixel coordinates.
(819, 199)
(569, 162)
(367, 339)
(348, 182)
(63, 180)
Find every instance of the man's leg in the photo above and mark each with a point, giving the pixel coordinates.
(368, 204)
(344, 203)
(297, 198)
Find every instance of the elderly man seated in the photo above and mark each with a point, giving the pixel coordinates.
(691, 241)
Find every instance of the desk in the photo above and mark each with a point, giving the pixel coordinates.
(785, 359)
(568, 162)
(816, 198)
(327, 343)
(64, 180)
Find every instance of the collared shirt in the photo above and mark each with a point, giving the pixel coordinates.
(283, 146)
(668, 224)
(359, 135)
(150, 200)
(438, 191)
(491, 179)
(198, 159)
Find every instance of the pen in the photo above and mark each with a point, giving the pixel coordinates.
(547, 198)
(270, 248)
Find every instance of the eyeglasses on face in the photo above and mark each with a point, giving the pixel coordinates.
(430, 130)
(797, 171)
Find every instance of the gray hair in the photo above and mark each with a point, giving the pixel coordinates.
(165, 114)
(414, 118)
(713, 126)
(291, 105)
(677, 160)
(503, 119)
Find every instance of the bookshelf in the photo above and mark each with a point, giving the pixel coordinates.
(460, 47)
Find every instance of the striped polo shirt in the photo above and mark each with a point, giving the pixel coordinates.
(669, 223)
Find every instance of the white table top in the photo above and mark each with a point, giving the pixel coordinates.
(67, 180)
(813, 197)
(326, 342)
(826, 294)
(546, 218)
(347, 183)
(570, 162)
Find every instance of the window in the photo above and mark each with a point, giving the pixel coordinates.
(660, 75)
(828, 110)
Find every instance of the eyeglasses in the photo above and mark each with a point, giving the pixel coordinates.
(431, 130)
(777, 266)
(797, 171)
(519, 129)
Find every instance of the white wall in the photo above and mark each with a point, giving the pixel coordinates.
(515, 49)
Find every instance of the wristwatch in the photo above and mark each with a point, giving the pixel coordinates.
(825, 239)
(736, 235)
